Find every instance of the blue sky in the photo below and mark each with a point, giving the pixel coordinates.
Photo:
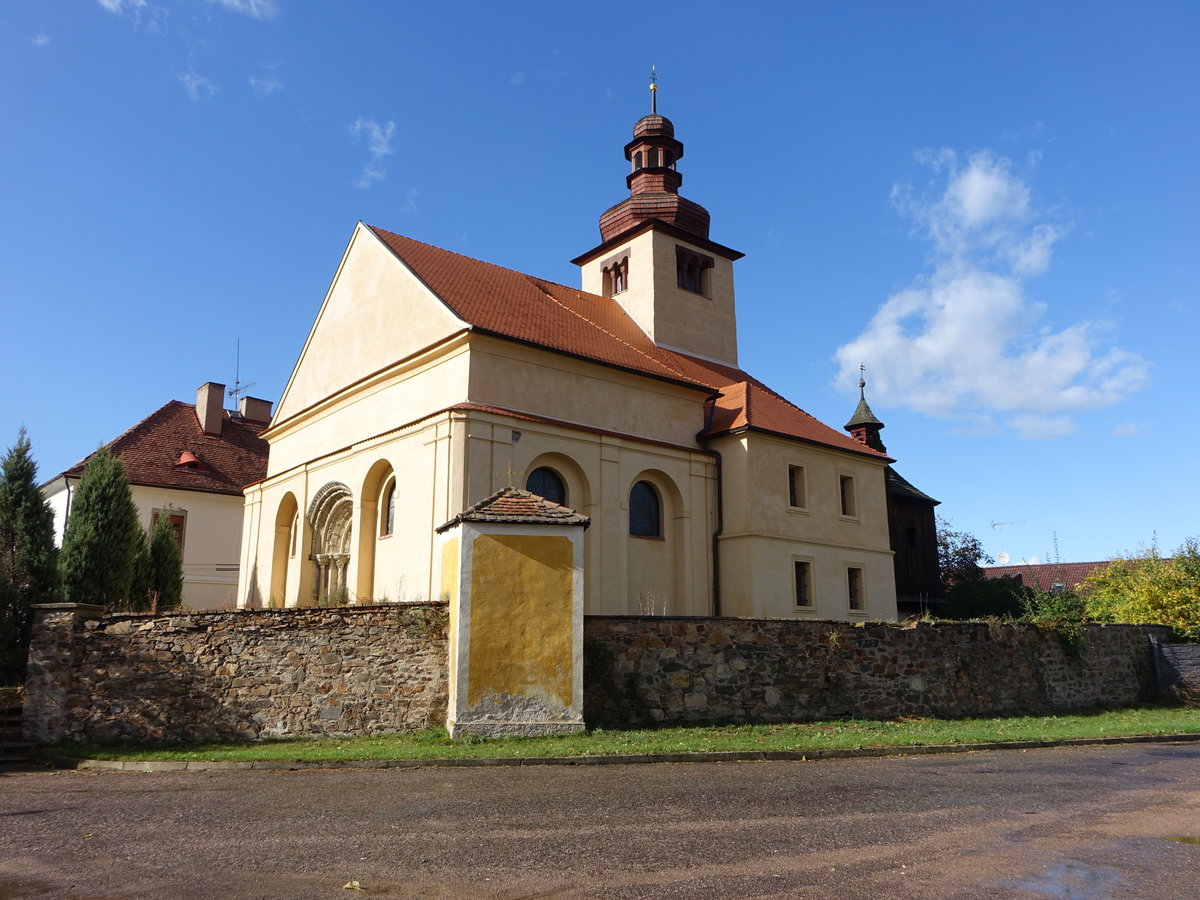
(991, 205)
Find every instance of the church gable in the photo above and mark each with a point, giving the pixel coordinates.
(375, 314)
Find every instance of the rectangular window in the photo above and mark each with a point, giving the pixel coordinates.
(803, 570)
(178, 520)
(846, 493)
(797, 495)
(854, 589)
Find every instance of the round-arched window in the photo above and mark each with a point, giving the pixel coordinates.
(545, 482)
(387, 518)
(645, 511)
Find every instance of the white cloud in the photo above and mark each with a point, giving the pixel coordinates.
(197, 86)
(379, 145)
(41, 39)
(265, 85)
(1127, 429)
(256, 9)
(966, 341)
(141, 12)
(122, 7)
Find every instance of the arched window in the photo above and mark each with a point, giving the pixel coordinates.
(618, 278)
(545, 482)
(387, 510)
(637, 160)
(645, 511)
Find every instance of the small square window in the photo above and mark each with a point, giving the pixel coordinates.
(797, 493)
(854, 589)
(803, 574)
(846, 494)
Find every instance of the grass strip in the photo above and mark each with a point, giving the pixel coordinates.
(831, 735)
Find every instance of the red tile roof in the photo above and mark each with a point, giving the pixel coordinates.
(513, 305)
(515, 506)
(1041, 576)
(152, 449)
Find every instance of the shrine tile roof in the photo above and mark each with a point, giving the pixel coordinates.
(514, 506)
(513, 305)
(151, 451)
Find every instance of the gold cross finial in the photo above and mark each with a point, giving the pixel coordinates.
(653, 91)
(508, 473)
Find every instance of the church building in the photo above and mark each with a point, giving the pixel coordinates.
(431, 381)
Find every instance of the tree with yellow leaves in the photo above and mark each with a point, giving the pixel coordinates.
(1146, 589)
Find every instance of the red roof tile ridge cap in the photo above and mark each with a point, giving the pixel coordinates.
(538, 283)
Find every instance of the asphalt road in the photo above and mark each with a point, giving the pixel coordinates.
(1092, 822)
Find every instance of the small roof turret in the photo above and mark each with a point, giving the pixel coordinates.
(863, 425)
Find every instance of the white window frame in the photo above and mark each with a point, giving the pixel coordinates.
(807, 562)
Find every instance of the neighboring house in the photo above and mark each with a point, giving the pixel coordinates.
(431, 380)
(190, 463)
(1047, 576)
(912, 524)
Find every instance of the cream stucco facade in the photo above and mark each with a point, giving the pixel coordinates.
(430, 381)
(211, 531)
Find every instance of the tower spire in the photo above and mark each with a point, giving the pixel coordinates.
(654, 179)
(863, 425)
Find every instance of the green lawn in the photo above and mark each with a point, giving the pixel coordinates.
(832, 735)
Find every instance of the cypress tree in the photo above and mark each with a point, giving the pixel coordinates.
(28, 573)
(101, 538)
(166, 565)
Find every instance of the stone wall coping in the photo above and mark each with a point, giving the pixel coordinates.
(296, 611)
(900, 626)
(91, 610)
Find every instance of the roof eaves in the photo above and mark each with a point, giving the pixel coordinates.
(866, 451)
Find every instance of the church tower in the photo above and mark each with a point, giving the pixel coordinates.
(655, 257)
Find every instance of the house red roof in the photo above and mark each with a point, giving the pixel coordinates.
(514, 506)
(155, 450)
(521, 307)
(1042, 576)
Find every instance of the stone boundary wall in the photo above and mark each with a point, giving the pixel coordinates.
(684, 670)
(1178, 666)
(235, 674)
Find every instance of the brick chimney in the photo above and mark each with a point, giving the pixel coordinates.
(255, 410)
(210, 408)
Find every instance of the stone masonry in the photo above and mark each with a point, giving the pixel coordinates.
(677, 671)
(236, 674)
(373, 670)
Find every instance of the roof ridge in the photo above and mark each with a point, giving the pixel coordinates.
(474, 259)
(538, 282)
(127, 433)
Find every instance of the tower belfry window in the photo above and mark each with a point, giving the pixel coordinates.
(692, 271)
(616, 274)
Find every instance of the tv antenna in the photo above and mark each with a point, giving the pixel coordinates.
(239, 389)
(1002, 557)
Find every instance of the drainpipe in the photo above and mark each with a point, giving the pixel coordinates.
(702, 438)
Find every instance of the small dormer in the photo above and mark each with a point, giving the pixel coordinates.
(190, 461)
